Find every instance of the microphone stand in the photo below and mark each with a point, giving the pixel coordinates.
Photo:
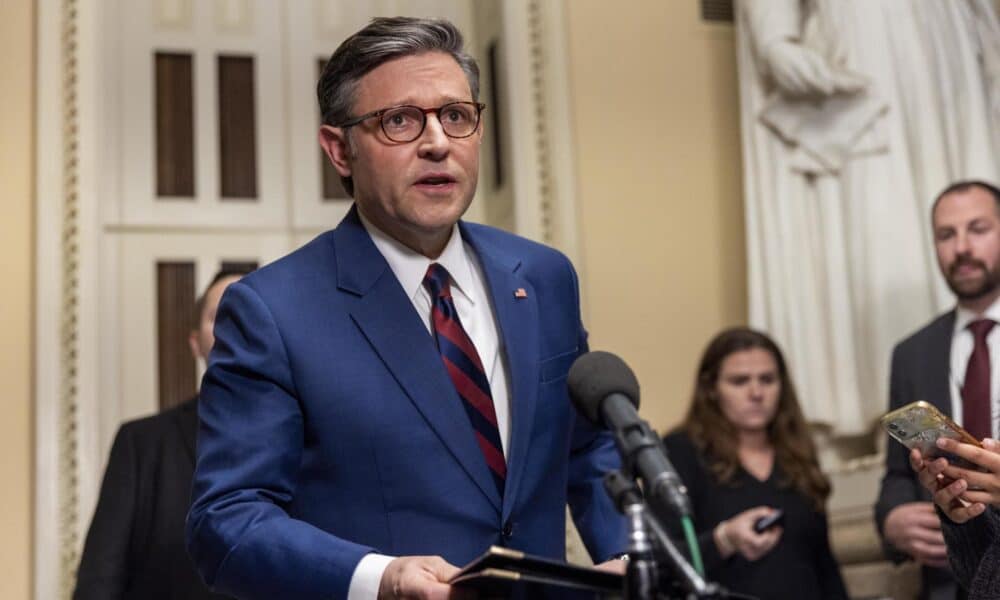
(643, 573)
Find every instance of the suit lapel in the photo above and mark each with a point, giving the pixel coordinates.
(939, 369)
(387, 319)
(517, 319)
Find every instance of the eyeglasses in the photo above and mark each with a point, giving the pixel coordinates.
(406, 123)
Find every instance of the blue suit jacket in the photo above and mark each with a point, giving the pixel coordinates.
(330, 428)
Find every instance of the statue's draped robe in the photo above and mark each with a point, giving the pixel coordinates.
(841, 259)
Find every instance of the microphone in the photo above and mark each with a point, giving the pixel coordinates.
(604, 389)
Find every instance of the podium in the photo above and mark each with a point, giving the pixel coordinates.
(502, 573)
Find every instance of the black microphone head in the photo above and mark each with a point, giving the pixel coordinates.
(595, 376)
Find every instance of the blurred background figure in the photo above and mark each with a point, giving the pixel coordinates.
(135, 545)
(744, 451)
(854, 114)
(947, 363)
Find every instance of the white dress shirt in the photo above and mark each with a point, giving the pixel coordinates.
(962, 342)
(475, 311)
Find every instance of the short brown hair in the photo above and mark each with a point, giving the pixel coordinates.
(964, 186)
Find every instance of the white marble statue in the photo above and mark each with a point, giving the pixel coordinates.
(855, 114)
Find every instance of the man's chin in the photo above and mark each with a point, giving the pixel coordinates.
(971, 292)
(436, 211)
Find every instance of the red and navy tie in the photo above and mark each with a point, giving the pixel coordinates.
(466, 371)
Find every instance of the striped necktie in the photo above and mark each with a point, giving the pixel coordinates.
(466, 371)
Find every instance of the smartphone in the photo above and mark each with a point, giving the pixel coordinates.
(772, 520)
(919, 425)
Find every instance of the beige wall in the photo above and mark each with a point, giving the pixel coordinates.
(16, 348)
(658, 172)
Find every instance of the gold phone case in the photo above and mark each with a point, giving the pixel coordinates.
(919, 425)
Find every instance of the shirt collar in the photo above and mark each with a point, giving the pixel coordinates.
(409, 267)
(964, 316)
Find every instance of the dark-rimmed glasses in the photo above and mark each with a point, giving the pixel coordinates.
(406, 123)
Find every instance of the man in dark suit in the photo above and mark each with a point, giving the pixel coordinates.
(389, 401)
(948, 364)
(135, 545)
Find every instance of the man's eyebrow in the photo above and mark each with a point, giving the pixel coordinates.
(409, 101)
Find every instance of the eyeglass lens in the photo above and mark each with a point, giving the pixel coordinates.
(406, 123)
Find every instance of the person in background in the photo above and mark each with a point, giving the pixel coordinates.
(744, 451)
(947, 363)
(135, 546)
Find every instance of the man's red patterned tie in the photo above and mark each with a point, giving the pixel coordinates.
(466, 371)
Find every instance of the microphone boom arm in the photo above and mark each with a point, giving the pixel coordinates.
(643, 456)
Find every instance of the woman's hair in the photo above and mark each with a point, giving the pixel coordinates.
(717, 438)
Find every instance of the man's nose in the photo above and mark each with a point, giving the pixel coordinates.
(433, 142)
(962, 246)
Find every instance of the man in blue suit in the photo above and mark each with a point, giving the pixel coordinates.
(390, 400)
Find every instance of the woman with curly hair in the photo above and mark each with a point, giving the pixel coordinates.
(744, 452)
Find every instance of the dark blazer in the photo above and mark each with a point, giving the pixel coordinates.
(330, 427)
(135, 545)
(920, 371)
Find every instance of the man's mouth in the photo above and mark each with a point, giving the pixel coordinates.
(436, 179)
(967, 266)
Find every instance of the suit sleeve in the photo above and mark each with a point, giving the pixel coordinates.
(250, 443)
(969, 544)
(593, 454)
(105, 564)
(601, 526)
(899, 483)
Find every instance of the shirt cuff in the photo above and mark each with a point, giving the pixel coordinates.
(368, 576)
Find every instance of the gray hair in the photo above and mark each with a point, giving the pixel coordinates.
(382, 40)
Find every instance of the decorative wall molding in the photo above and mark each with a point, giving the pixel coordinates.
(57, 314)
(69, 347)
(543, 165)
(69, 98)
(535, 44)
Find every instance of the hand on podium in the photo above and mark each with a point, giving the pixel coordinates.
(420, 578)
(615, 565)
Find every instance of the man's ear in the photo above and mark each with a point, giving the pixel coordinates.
(195, 347)
(334, 142)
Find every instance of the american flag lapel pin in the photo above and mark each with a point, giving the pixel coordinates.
(520, 294)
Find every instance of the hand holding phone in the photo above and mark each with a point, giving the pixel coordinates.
(739, 533)
(919, 425)
(772, 520)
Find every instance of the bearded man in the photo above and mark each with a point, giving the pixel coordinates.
(952, 363)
